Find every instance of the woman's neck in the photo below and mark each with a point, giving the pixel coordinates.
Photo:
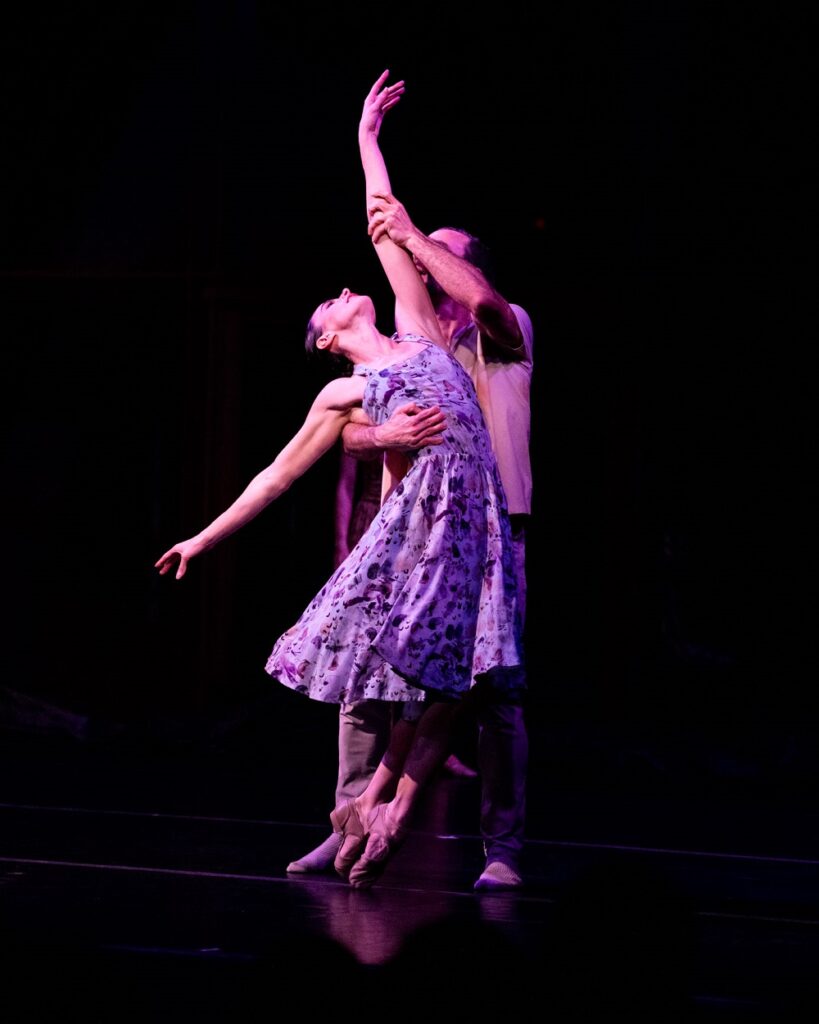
(368, 346)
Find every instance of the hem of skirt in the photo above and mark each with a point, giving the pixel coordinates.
(401, 695)
(451, 692)
(388, 695)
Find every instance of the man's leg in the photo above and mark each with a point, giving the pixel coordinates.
(363, 735)
(503, 755)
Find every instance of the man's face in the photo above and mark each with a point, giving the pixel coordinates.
(450, 239)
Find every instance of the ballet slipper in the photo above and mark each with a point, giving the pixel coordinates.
(384, 839)
(347, 823)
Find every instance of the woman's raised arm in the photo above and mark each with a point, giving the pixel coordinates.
(417, 313)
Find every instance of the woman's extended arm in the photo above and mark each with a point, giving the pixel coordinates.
(322, 428)
(417, 313)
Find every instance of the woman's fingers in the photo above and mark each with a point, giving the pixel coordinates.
(393, 93)
(388, 96)
(165, 561)
(382, 78)
(169, 560)
(396, 87)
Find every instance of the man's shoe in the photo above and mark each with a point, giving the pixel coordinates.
(318, 860)
(498, 877)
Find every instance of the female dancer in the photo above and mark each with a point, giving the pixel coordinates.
(424, 605)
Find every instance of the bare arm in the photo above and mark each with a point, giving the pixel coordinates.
(459, 278)
(410, 293)
(465, 283)
(322, 428)
(409, 428)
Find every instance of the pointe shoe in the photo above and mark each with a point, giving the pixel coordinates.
(347, 823)
(382, 843)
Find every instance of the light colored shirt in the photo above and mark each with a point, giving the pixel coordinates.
(503, 395)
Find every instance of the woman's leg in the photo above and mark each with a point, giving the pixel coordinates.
(387, 822)
(382, 785)
(351, 818)
(427, 753)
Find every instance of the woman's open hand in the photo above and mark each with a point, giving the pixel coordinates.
(179, 556)
(379, 100)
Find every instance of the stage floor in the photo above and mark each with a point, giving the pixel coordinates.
(163, 876)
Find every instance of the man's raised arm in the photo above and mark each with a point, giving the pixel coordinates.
(460, 279)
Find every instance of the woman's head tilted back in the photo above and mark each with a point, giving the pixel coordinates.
(333, 320)
(312, 336)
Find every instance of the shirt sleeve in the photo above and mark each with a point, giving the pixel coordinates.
(526, 329)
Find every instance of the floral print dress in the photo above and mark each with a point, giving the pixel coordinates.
(426, 599)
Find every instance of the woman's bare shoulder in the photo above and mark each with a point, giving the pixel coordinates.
(342, 393)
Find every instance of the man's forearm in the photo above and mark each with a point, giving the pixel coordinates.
(466, 284)
(459, 279)
(408, 429)
(361, 441)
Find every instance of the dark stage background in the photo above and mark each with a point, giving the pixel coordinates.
(182, 188)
